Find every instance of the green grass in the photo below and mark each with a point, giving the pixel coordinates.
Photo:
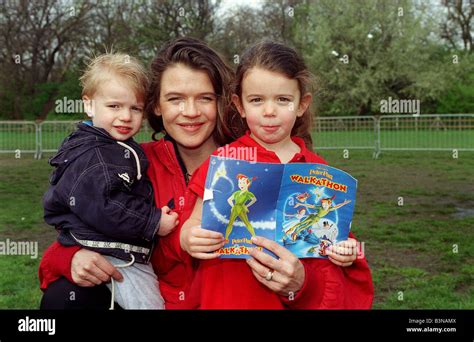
(421, 253)
(22, 184)
(452, 139)
(19, 287)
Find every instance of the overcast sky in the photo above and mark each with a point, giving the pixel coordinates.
(227, 4)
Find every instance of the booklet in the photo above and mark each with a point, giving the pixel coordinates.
(304, 207)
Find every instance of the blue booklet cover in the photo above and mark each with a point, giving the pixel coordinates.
(304, 207)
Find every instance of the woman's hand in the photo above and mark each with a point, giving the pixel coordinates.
(89, 268)
(343, 253)
(199, 242)
(284, 276)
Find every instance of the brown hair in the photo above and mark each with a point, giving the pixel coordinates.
(196, 55)
(280, 58)
(102, 67)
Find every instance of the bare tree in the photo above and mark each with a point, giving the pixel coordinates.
(237, 29)
(459, 14)
(163, 20)
(278, 17)
(242, 26)
(39, 40)
(115, 26)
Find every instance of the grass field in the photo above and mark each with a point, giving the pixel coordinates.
(421, 253)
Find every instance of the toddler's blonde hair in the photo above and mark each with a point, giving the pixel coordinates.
(102, 67)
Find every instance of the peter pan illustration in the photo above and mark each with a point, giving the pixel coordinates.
(299, 214)
(321, 211)
(301, 199)
(323, 246)
(306, 234)
(240, 201)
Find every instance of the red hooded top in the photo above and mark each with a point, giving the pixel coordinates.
(230, 284)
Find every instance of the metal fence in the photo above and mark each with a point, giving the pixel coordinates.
(19, 137)
(355, 132)
(430, 132)
(426, 133)
(52, 133)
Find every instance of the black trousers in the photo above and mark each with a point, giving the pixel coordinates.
(64, 295)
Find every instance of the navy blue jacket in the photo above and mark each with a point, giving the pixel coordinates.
(100, 197)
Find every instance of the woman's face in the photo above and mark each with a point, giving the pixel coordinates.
(188, 105)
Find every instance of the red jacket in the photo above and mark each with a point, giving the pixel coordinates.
(172, 267)
(230, 284)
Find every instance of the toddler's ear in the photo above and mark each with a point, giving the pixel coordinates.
(88, 106)
(238, 105)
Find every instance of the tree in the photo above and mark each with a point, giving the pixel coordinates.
(44, 43)
(243, 25)
(237, 30)
(365, 52)
(278, 19)
(160, 21)
(38, 42)
(457, 26)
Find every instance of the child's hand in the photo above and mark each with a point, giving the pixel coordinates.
(199, 242)
(168, 221)
(343, 253)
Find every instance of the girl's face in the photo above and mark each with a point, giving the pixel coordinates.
(188, 105)
(270, 103)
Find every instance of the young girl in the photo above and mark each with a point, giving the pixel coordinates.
(272, 95)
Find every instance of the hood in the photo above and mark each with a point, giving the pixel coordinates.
(85, 138)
